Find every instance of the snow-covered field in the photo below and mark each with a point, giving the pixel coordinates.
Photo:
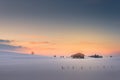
(29, 67)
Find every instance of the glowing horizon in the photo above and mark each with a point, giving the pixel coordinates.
(62, 29)
(63, 42)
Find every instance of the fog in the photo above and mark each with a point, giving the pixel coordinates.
(31, 67)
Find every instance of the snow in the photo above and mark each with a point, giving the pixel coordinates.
(33, 67)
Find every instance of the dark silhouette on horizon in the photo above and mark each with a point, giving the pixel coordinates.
(54, 56)
(78, 56)
(96, 56)
(32, 53)
(62, 57)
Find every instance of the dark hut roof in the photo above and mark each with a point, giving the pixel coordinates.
(78, 55)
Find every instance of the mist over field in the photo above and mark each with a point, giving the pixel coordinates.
(59, 39)
(14, 66)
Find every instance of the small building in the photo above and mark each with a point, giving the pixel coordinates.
(111, 56)
(78, 55)
(96, 56)
(61, 56)
(54, 56)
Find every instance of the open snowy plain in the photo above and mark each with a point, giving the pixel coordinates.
(31, 67)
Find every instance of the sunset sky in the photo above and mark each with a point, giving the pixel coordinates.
(60, 27)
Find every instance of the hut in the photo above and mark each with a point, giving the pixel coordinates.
(78, 55)
(96, 56)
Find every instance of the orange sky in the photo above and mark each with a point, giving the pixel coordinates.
(46, 39)
(60, 27)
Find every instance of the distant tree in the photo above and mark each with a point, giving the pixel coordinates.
(32, 53)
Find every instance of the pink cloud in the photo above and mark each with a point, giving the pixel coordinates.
(44, 42)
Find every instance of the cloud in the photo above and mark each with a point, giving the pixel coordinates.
(7, 45)
(31, 36)
(5, 41)
(10, 47)
(88, 43)
(44, 42)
